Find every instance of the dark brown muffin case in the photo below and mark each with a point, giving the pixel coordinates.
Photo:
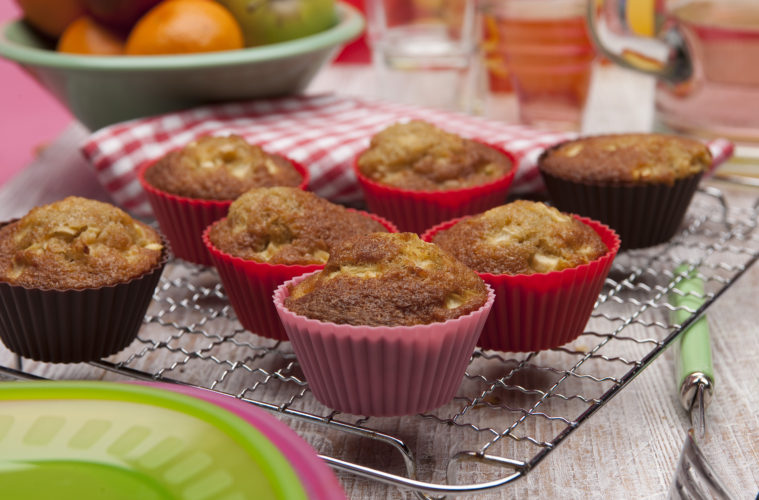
(642, 213)
(76, 325)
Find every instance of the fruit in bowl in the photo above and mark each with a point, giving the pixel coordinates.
(272, 21)
(120, 15)
(101, 90)
(50, 17)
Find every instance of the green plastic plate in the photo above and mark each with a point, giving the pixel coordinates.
(100, 440)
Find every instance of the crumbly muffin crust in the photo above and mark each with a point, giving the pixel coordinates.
(626, 158)
(390, 279)
(283, 225)
(521, 237)
(421, 157)
(220, 168)
(76, 243)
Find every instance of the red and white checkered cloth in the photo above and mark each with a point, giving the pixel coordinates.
(323, 132)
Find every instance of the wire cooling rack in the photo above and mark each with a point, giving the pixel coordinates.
(511, 409)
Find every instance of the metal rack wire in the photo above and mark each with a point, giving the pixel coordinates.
(511, 409)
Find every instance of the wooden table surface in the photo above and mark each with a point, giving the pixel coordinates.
(628, 449)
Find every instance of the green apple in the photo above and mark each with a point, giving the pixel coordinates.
(271, 21)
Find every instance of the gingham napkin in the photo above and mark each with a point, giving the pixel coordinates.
(323, 132)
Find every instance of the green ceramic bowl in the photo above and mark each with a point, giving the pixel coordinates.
(101, 90)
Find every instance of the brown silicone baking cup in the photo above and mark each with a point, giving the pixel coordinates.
(76, 325)
(183, 219)
(642, 214)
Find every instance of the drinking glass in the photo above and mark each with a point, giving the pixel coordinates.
(548, 56)
(425, 52)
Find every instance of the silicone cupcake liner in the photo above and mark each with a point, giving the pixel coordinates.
(75, 325)
(183, 219)
(416, 211)
(533, 312)
(249, 285)
(380, 370)
(643, 215)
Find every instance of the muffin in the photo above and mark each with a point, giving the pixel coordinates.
(271, 235)
(546, 267)
(220, 168)
(417, 175)
(194, 186)
(387, 327)
(84, 266)
(282, 225)
(638, 184)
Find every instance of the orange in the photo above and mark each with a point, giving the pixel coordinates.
(51, 16)
(85, 36)
(184, 26)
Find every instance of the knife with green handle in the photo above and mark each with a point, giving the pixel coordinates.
(693, 354)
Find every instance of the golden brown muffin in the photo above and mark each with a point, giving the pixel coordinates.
(626, 158)
(283, 225)
(76, 243)
(421, 157)
(220, 168)
(521, 237)
(390, 279)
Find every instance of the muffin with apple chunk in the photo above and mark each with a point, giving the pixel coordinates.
(638, 184)
(522, 237)
(76, 243)
(220, 168)
(418, 175)
(388, 279)
(387, 327)
(419, 156)
(76, 277)
(282, 225)
(546, 267)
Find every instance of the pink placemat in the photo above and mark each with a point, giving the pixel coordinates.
(323, 132)
(31, 118)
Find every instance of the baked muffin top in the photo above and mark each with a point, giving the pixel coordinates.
(220, 168)
(390, 279)
(521, 237)
(421, 157)
(626, 158)
(283, 225)
(76, 243)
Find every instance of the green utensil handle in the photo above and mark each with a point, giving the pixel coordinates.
(693, 353)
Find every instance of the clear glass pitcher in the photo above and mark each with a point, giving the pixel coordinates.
(704, 53)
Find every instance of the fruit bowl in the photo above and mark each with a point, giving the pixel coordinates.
(101, 90)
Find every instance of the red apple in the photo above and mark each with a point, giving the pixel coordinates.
(118, 14)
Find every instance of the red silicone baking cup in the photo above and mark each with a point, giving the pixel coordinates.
(533, 312)
(416, 211)
(382, 370)
(249, 284)
(183, 219)
(76, 325)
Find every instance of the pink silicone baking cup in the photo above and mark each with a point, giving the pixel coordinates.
(249, 284)
(382, 370)
(533, 312)
(416, 211)
(183, 219)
